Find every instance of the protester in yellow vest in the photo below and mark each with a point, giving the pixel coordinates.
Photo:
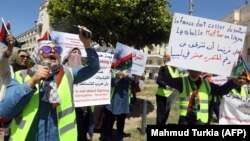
(162, 95)
(214, 101)
(42, 107)
(84, 115)
(242, 90)
(194, 94)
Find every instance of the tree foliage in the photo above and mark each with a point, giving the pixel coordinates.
(133, 22)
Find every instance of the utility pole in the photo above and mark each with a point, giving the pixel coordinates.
(191, 5)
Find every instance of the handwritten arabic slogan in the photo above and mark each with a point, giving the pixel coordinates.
(205, 45)
(235, 110)
(68, 41)
(96, 90)
(139, 58)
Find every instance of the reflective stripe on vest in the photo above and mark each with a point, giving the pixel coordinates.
(92, 108)
(113, 75)
(203, 92)
(112, 92)
(65, 112)
(166, 92)
(243, 92)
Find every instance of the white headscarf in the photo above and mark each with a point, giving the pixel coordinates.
(35, 56)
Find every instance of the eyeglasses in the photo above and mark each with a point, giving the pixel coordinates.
(24, 56)
(48, 49)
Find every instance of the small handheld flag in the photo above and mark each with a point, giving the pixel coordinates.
(5, 30)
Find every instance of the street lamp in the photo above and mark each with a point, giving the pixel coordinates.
(191, 5)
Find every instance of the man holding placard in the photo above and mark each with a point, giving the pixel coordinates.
(194, 94)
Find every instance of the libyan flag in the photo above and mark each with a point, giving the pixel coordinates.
(123, 63)
(3, 34)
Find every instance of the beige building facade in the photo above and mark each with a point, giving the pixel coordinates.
(154, 60)
(241, 16)
(42, 25)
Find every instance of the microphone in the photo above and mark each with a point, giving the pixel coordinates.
(46, 62)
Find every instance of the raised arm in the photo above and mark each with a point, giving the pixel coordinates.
(18, 95)
(168, 79)
(229, 85)
(5, 71)
(93, 64)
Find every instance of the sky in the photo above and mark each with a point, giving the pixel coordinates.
(210, 9)
(22, 14)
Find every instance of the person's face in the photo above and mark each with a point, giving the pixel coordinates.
(76, 51)
(51, 52)
(194, 75)
(242, 79)
(23, 58)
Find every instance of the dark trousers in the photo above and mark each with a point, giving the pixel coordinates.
(214, 107)
(133, 99)
(84, 124)
(109, 123)
(162, 111)
(189, 121)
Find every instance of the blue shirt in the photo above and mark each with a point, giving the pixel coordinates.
(44, 126)
(120, 100)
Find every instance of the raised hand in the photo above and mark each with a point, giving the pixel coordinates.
(86, 41)
(166, 58)
(10, 45)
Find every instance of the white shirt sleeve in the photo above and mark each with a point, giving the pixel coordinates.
(5, 75)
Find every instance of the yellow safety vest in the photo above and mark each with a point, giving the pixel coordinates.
(66, 116)
(166, 92)
(243, 92)
(113, 75)
(204, 92)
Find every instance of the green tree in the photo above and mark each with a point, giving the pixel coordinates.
(133, 22)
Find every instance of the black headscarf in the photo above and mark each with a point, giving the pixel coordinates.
(14, 61)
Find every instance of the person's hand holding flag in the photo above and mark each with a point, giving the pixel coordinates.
(10, 40)
(5, 31)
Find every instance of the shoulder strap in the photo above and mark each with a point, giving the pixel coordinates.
(69, 75)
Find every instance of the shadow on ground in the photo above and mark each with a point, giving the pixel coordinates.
(116, 136)
(136, 108)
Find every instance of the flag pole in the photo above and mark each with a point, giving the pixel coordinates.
(5, 26)
(48, 35)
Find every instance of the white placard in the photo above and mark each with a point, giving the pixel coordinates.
(68, 41)
(234, 110)
(96, 90)
(139, 58)
(205, 45)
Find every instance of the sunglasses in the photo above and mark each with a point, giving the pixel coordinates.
(24, 56)
(48, 49)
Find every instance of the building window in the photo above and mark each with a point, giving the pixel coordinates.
(149, 52)
(159, 62)
(150, 62)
